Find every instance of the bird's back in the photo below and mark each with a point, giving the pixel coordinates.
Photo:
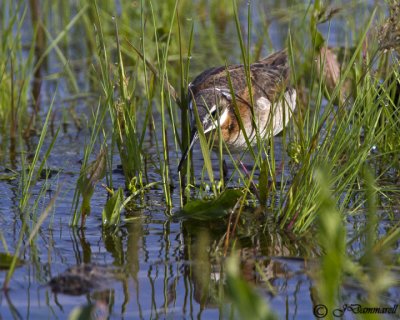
(268, 76)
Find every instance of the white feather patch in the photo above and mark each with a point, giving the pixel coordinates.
(263, 103)
(223, 117)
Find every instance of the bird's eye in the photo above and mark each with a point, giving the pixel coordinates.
(213, 111)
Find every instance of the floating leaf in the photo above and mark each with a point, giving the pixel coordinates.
(47, 173)
(6, 261)
(8, 177)
(111, 212)
(212, 209)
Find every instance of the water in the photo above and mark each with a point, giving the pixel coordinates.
(164, 268)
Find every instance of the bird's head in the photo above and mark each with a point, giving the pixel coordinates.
(212, 107)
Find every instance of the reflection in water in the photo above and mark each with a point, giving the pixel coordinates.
(83, 253)
(267, 260)
(83, 278)
(177, 268)
(153, 267)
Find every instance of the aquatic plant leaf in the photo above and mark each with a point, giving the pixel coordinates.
(332, 238)
(168, 87)
(6, 261)
(318, 39)
(212, 209)
(243, 297)
(203, 144)
(82, 312)
(111, 212)
(8, 176)
(94, 172)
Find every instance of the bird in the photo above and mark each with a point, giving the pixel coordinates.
(265, 107)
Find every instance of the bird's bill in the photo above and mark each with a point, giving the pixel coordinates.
(194, 137)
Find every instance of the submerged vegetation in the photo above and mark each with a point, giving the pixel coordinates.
(117, 74)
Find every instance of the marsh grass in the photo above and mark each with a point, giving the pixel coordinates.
(138, 96)
(142, 61)
(337, 265)
(339, 137)
(91, 173)
(13, 74)
(323, 132)
(29, 176)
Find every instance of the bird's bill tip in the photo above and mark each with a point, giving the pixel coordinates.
(183, 159)
(193, 139)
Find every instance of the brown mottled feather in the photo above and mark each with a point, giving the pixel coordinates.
(268, 75)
